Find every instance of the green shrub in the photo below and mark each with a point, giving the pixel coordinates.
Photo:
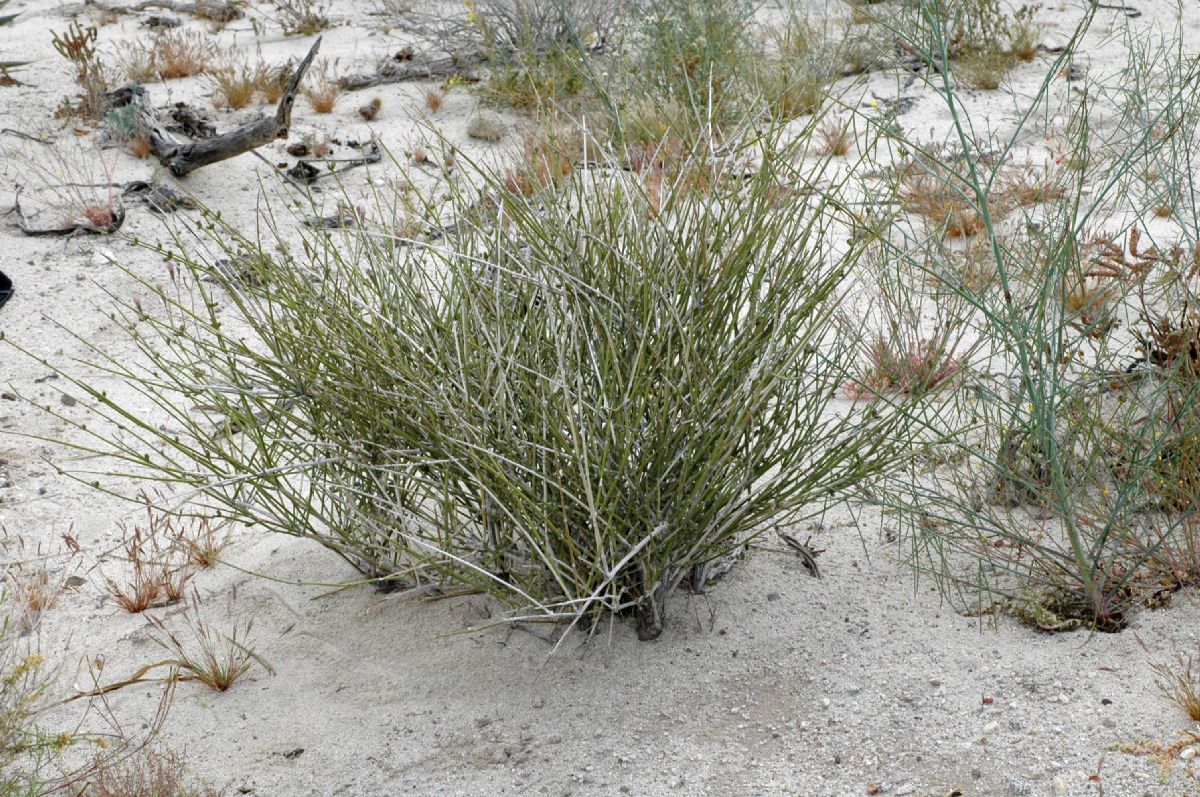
(25, 751)
(1065, 479)
(575, 402)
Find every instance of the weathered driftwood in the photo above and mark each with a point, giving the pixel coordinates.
(217, 10)
(417, 68)
(184, 157)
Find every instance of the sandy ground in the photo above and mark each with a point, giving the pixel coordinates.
(772, 683)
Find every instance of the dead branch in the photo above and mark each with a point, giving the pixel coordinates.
(116, 218)
(417, 68)
(181, 158)
(216, 10)
(305, 172)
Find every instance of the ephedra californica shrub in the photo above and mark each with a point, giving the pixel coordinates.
(573, 399)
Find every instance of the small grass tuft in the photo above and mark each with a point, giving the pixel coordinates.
(912, 368)
(321, 89)
(1179, 680)
(834, 137)
(170, 55)
(434, 98)
(158, 577)
(234, 87)
(215, 659)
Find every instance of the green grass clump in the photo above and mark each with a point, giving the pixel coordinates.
(530, 81)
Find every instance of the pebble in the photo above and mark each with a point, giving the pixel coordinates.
(1058, 786)
(773, 596)
(853, 689)
(1187, 754)
(1019, 785)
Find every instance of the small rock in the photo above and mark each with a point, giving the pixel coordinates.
(873, 788)
(773, 596)
(853, 689)
(1058, 786)
(483, 722)
(68, 401)
(1187, 754)
(991, 727)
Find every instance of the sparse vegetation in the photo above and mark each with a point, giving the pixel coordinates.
(25, 752)
(150, 771)
(714, 269)
(170, 55)
(78, 45)
(302, 17)
(1179, 680)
